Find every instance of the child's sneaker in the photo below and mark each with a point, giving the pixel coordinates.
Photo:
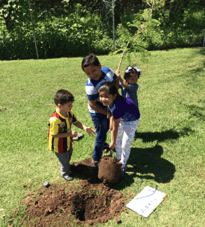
(68, 178)
(135, 136)
(118, 159)
(95, 163)
(123, 171)
(78, 137)
(106, 148)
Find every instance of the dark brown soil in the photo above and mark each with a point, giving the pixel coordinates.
(92, 201)
(109, 170)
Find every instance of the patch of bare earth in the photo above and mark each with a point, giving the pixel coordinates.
(92, 201)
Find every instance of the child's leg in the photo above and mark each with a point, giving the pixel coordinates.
(118, 146)
(101, 125)
(135, 135)
(129, 131)
(65, 162)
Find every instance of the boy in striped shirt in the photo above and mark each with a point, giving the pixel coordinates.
(96, 76)
(59, 134)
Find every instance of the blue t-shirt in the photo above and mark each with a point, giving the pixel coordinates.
(92, 86)
(125, 109)
(131, 92)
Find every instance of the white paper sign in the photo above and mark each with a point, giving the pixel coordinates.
(146, 201)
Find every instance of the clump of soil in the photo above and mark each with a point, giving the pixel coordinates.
(109, 170)
(85, 170)
(88, 203)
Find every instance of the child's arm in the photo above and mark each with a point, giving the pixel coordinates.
(66, 134)
(114, 133)
(124, 84)
(111, 123)
(93, 104)
(89, 130)
(116, 82)
(110, 118)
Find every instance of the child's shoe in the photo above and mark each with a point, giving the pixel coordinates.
(123, 171)
(135, 136)
(106, 148)
(78, 137)
(95, 163)
(68, 178)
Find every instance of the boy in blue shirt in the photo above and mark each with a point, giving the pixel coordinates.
(96, 76)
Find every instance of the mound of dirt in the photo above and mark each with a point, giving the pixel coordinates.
(88, 203)
(109, 170)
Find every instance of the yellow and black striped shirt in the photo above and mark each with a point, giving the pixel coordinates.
(59, 123)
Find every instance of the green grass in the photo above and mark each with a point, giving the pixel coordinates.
(169, 150)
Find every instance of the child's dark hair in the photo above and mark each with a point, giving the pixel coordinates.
(110, 88)
(62, 97)
(91, 59)
(129, 71)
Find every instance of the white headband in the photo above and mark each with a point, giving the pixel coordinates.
(137, 69)
(129, 68)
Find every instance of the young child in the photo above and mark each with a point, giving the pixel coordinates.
(96, 76)
(60, 134)
(129, 87)
(125, 120)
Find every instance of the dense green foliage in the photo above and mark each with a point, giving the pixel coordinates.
(76, 28)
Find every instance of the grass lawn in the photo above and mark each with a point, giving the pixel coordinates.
(169, 150)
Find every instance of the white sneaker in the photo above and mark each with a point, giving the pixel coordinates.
(68, 178)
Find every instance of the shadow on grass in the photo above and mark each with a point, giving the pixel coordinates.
(195, 70)
(163, 135)
(159, 136)
(196, 111)
(149, 165)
